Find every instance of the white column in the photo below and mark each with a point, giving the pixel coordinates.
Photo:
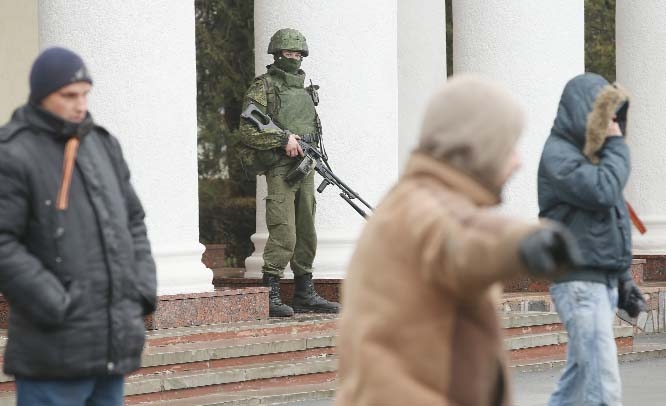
(421, 65)
(142, 60)
(641, 63)
(534, 48)
(18, 49)
(353, 56)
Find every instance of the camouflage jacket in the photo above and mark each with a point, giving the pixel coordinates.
(283, 97)
(250, 135)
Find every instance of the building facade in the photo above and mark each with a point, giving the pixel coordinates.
(376, 61)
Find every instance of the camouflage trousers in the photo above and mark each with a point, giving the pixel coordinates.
(290, 213)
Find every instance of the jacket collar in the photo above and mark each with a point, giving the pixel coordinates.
(290, 79)
(45, 121)
(422, 165)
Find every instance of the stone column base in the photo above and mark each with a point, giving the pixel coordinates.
(221, 306)
(196, 309)
(180, 270)
(333, 252)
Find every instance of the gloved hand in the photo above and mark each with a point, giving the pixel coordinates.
(630, 298)
(548, 250)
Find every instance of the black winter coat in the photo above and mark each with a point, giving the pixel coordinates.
(78, 281)
(582, 174)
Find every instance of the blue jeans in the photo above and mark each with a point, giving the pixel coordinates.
(591, 375)
(95, 391)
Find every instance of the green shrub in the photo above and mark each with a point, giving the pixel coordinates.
(225, 68)
(225, 218)
(600, 37)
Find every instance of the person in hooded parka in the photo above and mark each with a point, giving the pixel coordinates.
(583, 170)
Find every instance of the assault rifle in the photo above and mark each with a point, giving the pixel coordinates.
(313, 159)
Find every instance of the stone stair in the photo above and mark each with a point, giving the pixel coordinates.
(231, 363)
(268, 396)
(274, 361)
(532, 337)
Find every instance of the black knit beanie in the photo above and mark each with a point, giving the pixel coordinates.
(55, 68)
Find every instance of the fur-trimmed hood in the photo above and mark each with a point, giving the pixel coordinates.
(587, 104)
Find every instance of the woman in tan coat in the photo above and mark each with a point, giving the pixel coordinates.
(419, 324)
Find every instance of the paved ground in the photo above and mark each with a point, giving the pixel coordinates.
(642, 381)
(326, 402)
(642, 384)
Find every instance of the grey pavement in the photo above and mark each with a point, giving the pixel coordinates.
(643, 381)
(642, 384)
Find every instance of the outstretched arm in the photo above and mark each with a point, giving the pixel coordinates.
(474, 255)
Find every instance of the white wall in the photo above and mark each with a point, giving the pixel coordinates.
(18, 49)
(143, 63)
(421, 65)
(533, 47)
(641, 65)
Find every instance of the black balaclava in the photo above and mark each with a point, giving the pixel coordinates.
(286, 64)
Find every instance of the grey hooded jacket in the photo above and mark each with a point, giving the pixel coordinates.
(582, 174)
(80, 280)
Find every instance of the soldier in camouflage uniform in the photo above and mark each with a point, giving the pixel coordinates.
(290, 207)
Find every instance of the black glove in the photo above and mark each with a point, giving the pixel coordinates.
(630, 298)
(547, 250)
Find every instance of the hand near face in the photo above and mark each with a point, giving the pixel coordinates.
(613, 129)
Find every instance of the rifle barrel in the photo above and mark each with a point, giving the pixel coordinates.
(352, 204)
(346, 189)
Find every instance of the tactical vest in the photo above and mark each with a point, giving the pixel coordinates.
(289, 103)
(292, 108)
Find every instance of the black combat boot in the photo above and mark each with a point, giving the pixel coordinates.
(275, 306)
(306, 299)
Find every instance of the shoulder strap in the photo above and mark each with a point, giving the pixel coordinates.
(270, 94)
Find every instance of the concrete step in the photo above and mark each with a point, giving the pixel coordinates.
(552, 344)
(643, 347)
(199, 356)
(526, 302)
(231, 357)
(521, 323)
(205, 355)
(228, 358)
(264, 396)
(268, 361)
(181, 385)
(300, 323)
(229, 380)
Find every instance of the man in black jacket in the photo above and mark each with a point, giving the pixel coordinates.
(75, 262)
(583, 171)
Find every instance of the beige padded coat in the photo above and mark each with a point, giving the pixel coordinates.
(419, 324)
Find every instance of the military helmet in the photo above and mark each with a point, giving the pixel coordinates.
(288, 39)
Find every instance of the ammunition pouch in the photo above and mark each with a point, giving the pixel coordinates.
(300, 171)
